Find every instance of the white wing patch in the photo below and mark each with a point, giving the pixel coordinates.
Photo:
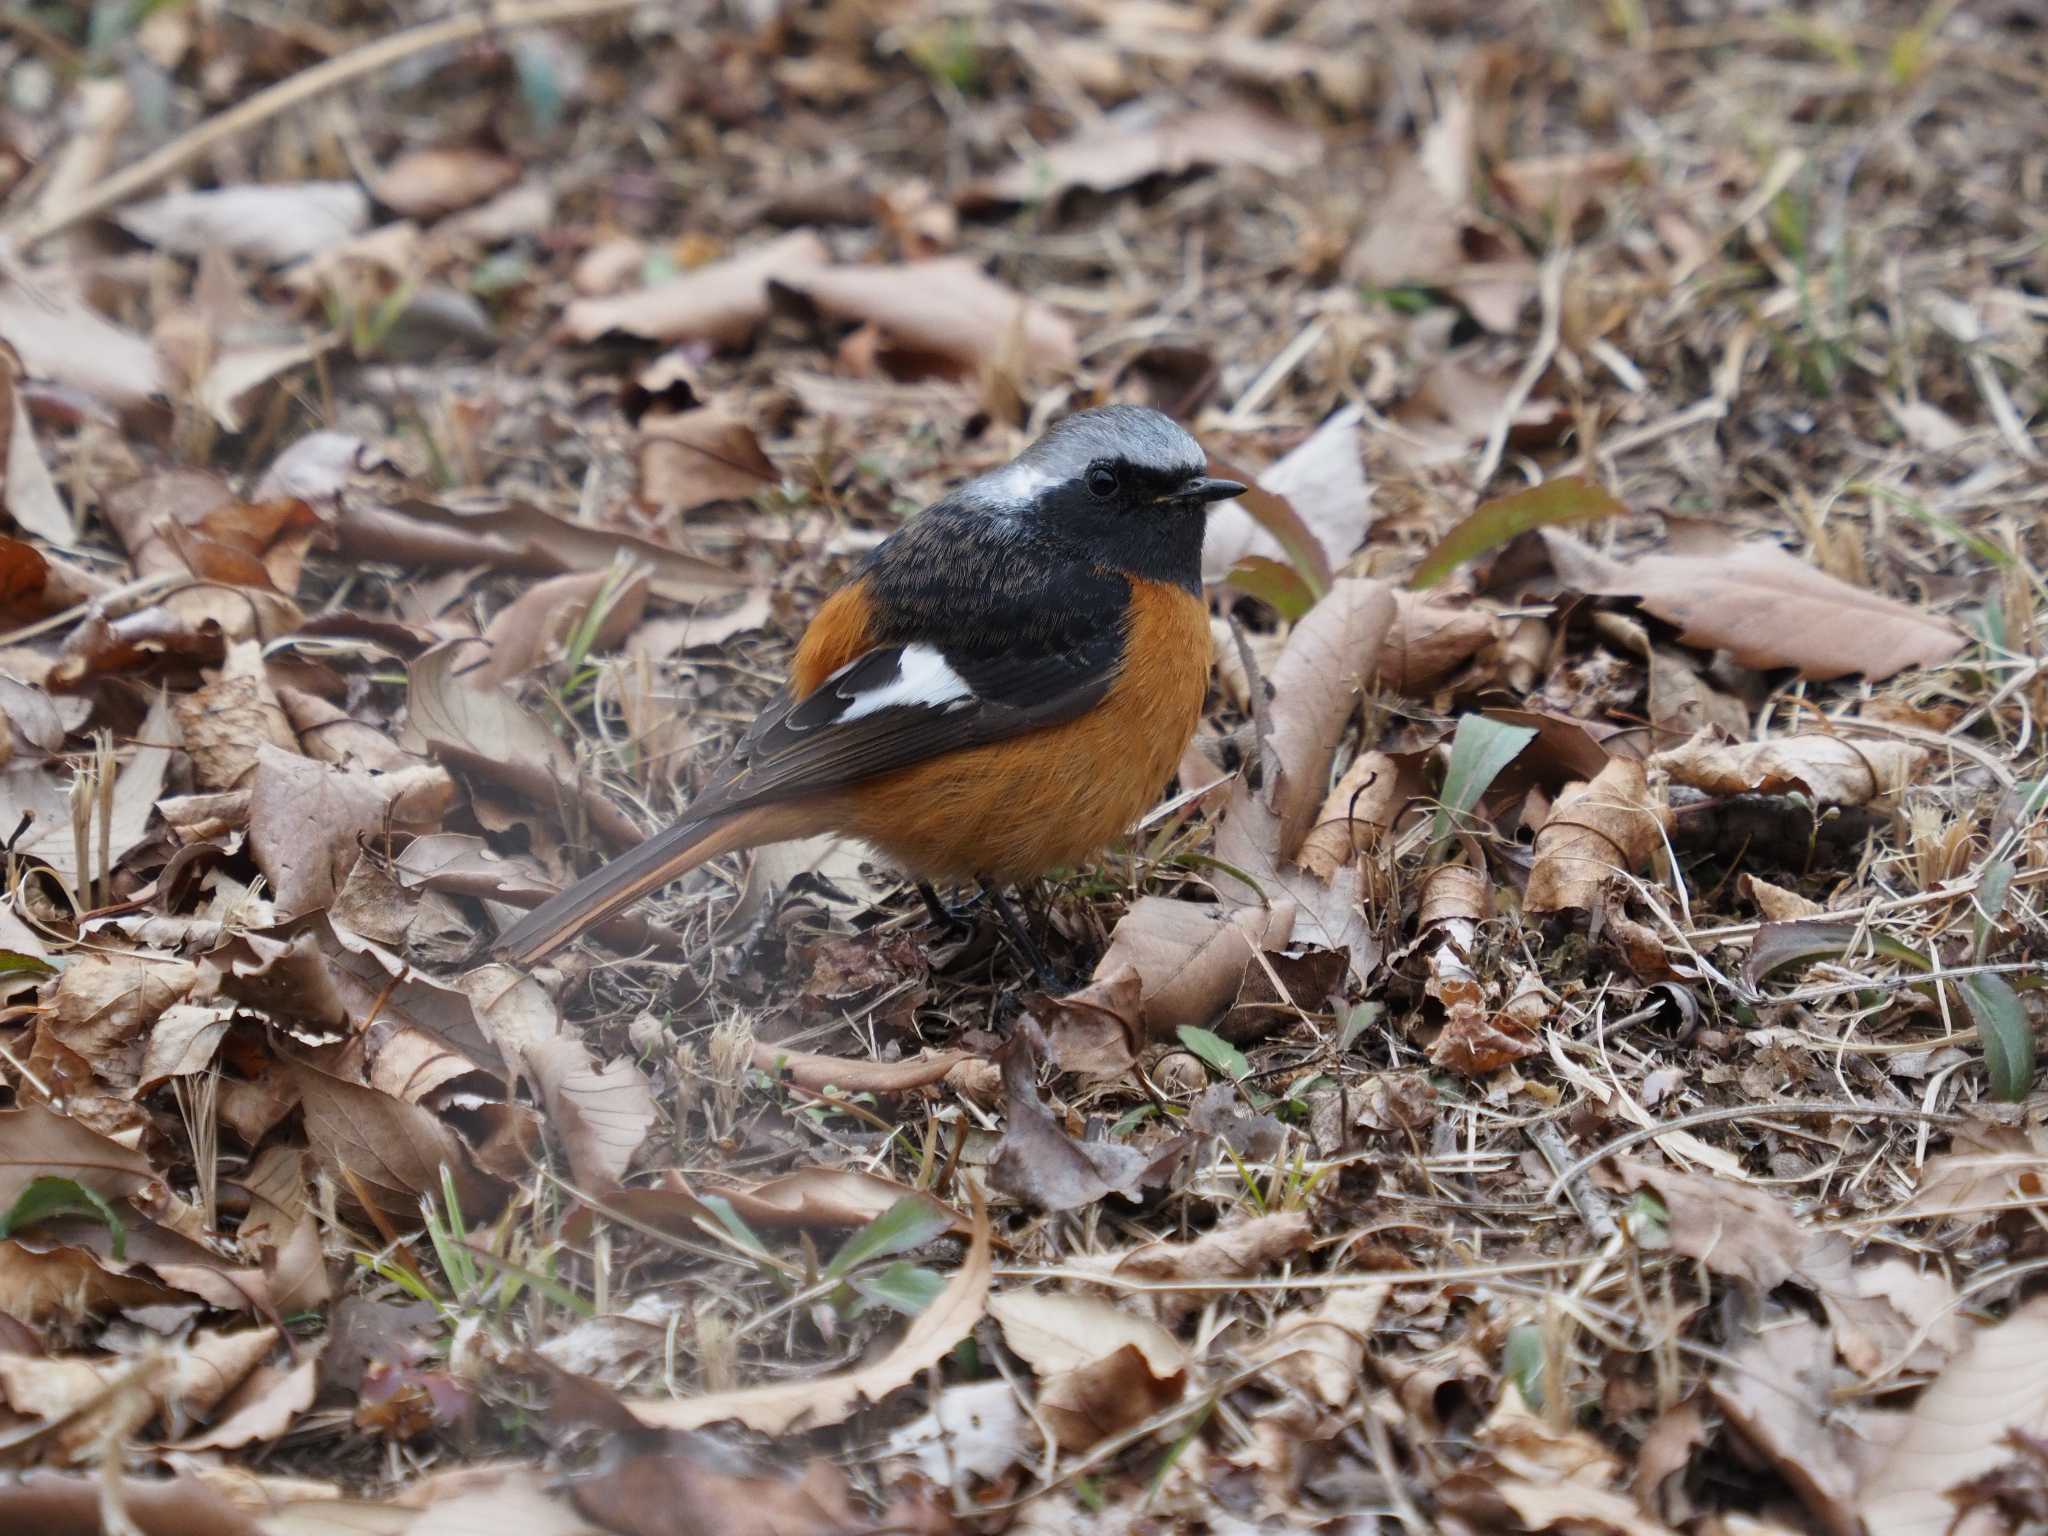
(922, 677)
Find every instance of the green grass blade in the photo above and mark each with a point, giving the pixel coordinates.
(1570, 499)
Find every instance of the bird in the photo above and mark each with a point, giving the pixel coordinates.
(999, 689)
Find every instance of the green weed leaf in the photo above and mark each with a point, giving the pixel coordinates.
(1569, 499)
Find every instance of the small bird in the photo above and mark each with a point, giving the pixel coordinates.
(1001, 687)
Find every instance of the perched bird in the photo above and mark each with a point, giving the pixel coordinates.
(1002, 686)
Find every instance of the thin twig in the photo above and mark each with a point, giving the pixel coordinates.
(1550, 289)
(296, 90)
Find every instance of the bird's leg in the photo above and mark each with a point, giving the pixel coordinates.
(943, 916)
(1021, 938)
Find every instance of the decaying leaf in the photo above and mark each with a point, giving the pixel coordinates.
(1767, 608)
(1828, 769)
(722, 303)
(1611, 825)
(694, 458)
(947, 309)
(1101, 1368)
(1151, 138)
(1038, 1162)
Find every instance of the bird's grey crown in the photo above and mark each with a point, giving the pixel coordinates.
(1131, 434)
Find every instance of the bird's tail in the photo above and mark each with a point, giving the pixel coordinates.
(664, 857)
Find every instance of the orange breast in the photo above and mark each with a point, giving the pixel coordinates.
(1052, 798)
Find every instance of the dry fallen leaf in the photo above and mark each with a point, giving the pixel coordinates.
(1827, 769)
(59, 337)
(1101, 1368)
(1998, 1382)
(1042, 1165)
(1239, 1250)
(1775, 1391)
(272, 223)
(1322, 482)
(530, 628)
(694, 458)
(947, 309)
(1768, 608)
(1315, 686)
(426, 183)
(1151, 138)
(819, 1401)
(1359, 811)
(722, 303)
(1596, 830)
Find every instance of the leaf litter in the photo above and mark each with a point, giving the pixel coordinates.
(1563, 1051)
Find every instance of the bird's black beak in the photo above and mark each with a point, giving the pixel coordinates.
(1207, 488)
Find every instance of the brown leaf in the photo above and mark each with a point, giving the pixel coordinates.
(1151, 138)
(426, 183)
(59, 337)
(272, 223)
(1315, 688)
(228, 722)
(1826, 768)
(947, 309)
(105, 1006)
(482, 731)
(1101, 1368)
(61, 1504)
(309, 821)
(827, 1198)
(1774, 1392)
(602, 1114)
(392, 1149)
(262, 1408)
(136, 788)
(1043, 1166)
(1429, 641)
(777, 1409)
(1454, 406)
(37, 1143)
(1593, 831)
(1321, 484)
(1189, 957)
(1240, 1250)
(1359, 811)
(722, 303)
(1768, 608)
(1998, 1383)
(682, 1489)
(691, 459)
(531, 627)
(1321, 1354)
(511, 536)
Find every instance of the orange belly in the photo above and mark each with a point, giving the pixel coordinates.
(1052, 798)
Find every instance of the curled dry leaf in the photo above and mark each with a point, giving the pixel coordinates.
(1359, 811)
(426, 183)
(482, 731)
(721, 303)
(1189, 959)
(1101, 1368)
(1429, 641)
(1825, 768)
(1319, 1357)
(776, 1410)
(1315, 687)
(948, 309)
(1767, 608)
(824, 1198)
(691, 459)
(1241, 1250)
(1151, 138)
(273, 223)
(1593, 831)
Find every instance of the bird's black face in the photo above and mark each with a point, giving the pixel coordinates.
(1125, 487)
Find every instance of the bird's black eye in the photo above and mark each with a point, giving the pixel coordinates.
(1101, 481)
